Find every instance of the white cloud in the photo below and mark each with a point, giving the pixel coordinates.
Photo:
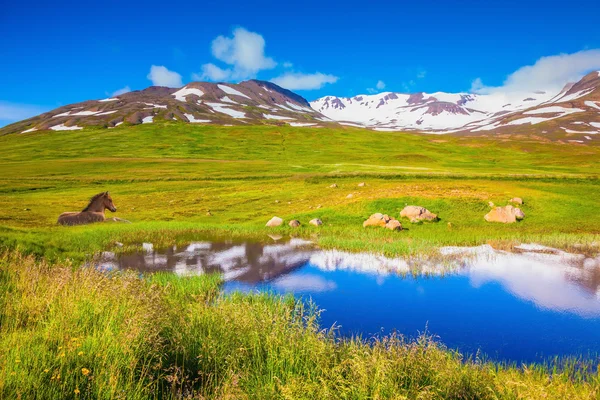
(124, 90)
(161, 76)
(287, 64)
(421, 74)
(11, 112)
(244, 51)
(380, 85)
(212, 73)
(549, 73)
(300, 81)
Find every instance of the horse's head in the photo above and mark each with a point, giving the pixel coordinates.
(108, 202)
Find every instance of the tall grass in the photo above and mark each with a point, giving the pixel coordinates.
(77, 333)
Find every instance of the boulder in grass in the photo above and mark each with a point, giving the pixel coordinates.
(316, 222)
(516, 200)
(362, 184)
(418, 213)
(394, 225)
(333, 186)
(275, 221)
(294, 223)
(505, 215)
(377, 219)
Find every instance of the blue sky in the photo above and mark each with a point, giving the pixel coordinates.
(56, 53)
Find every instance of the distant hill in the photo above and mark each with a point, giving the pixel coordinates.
(572, 114)
(249, 102)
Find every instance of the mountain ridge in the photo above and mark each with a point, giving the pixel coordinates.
(468, 113)
(252, 101)
(571, 114)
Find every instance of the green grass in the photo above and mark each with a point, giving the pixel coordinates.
(78, 333)
(70, 332)
(166, 177)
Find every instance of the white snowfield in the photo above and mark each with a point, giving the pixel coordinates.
(148, 120)
(232, 91)
(450, 112)
(110, 99)
(581, 132)
(226, 99)
(595, 124)
(427, 111)
(182, 93)
(30, 130)
(552, 110)
(593, 104)
(574, 96)
(299, 108)
(277, 117)
(63, 127)
(299, 124)
(224, 109)
(155, 105)
(79, 114)
(194, 120)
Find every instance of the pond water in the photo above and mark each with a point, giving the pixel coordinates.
(524, 306)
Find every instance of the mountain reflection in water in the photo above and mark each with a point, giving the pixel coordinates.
(517, 306)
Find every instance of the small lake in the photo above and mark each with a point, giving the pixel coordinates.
(525, 306)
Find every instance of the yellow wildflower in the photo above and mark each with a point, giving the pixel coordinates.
(17, 361)
(85, 371)
(80, 353)
(76, 391)
(46, 370)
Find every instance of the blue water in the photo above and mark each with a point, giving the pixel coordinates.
(526, 308)
(467, 318)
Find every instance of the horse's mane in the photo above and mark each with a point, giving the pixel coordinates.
(93, 199)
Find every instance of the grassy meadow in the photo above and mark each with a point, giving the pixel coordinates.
(177, 181)
(71, 332)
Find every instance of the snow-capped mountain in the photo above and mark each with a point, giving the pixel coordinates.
(465, 112)
(250, 102)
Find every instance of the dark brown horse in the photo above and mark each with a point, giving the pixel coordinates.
(94, 212)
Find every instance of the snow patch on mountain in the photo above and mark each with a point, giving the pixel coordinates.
(299, 124)
(230, 90)
(182, 93)
(593, 104)
(63, 127)
(193, 119)
(277, 117)
(224, 109)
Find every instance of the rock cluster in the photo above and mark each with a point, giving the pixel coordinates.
(384, 221)
(505, 215)
(276, 221)
(417, 214)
